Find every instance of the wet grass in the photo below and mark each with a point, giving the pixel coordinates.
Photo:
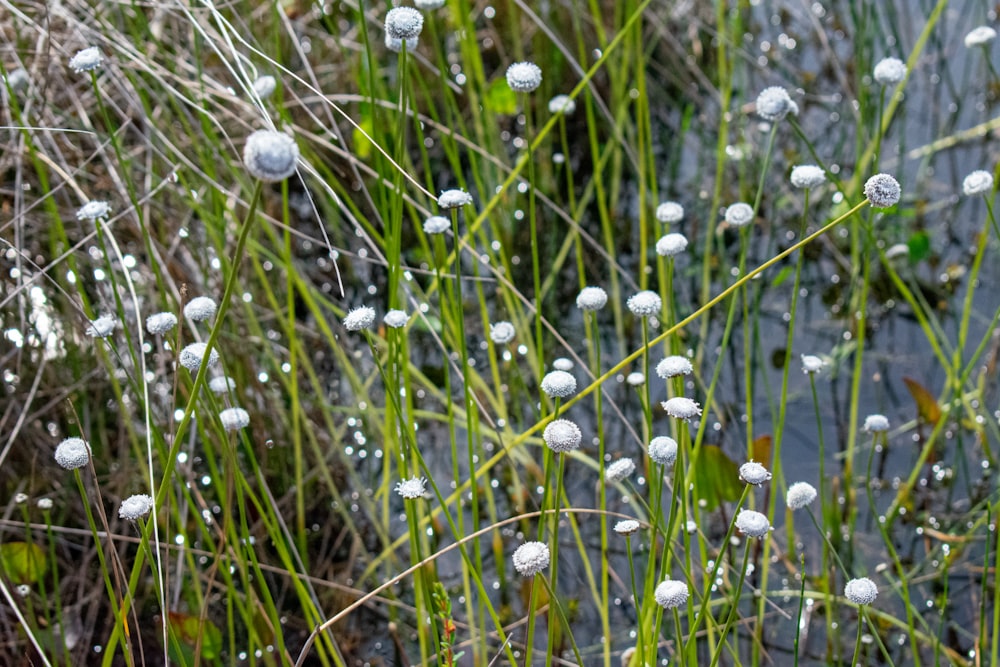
(303, 538)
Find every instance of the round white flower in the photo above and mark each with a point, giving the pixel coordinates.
(812, 363)
(270, 156)
(73, 453)
(669, 212)
(890, 71)
(524, 77)
(671, 594)
(663, 450)
(531, 558)
(861, 591)
(979, 182)
(807, 176)
(591, 298)
(562, 435)
(20, 498)
(102, 327)
(200, 309)
(671, 245)
(753, 524)
(359, 318)
(562, 364)
(436, 224)
(264, 86)
(428, 5)
(23, 590)
(454, 199)
(222, 384)
(882, 190)
(160, 323)
(673, 366)
(645, 303)
(635, 379)
(980, 36)
(502, 332)
(619, 470)
(754, 473)
(680, 407)
(93, 210)
(192, 356)
(396, 319)
(233, 419)
(739, 214)
(563, 104)
(773, 104)
(404, 23)
(876, 424)
(627, 527)
(135, 507)
(558, 384)
(86, 60)
(411, 489)
(800, 494)
(44, 504)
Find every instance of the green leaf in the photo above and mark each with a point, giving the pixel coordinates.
(500, 98)
(22, 562)
(920, 246)
(362, 145)
(782, 276)
(184, 632)
(717, 478)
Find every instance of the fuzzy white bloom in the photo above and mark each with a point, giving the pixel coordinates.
(396, 319)
(562, 435)
(980, 36)
(635, 379)
(669, 212)
(23, 590)
(645, 303)
(524, 77)
(739, 214)
(671, 594)
(807, 176)
(86, 60)
(192, 356)
(627, 527)
(454, 199)
(102, 327)
(160, 323)
(563, 104)
(502, 332)
(44, 504)
(754, 473)
(411, 489)
(882, 190)
(979, 182)
(404, 23)
(436, 224)
(876, 424)
(799, 495)
(428, 5)
(861, 591)
(359, 318)
(773, 104)
(222, 384)
(270, 156)
(73, 453)
(671, 245)
(812, 363)
(663, 450)
(264, 86)
(673, 366)
(680, 407)
(619, 470)
(562, 364)
(591, 298)
(135, 507)
(200, 308)
(233, 419)
(558, 384)
(93, 210)
(890, 71)
(753, 524)
(20, 498)
(531, 558)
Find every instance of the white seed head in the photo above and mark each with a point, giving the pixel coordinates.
(800, 494)
(882, 190)
(73, 453)
(93, 210)
(200, 308)
(671, 594)
(673, 366)
(861, 591)
(428, 5)
(436, 224)
(563, 104)
(807, 176)
(635, 379)
(23, 590)
(404, 23)
(980, 36)
(44, 504)
(102, 327)
(396, 319)
(876, 424)
(671, 245)
(663, 450)
(264, 86)
(645, 303)
(754, 473)
(739, 214)
(86, 60)
(773, 104)
(627, 527)
(531, 558)
(359, 318)
(562, 435)
(20, 498)
(160, 323)
(502, 332)
(233, 419)
(192, 356)
(591, 298)
(812, 363)
(454, 199)
(680, 407)
(669, 212)
(562, 364)
(890, 71)
(558, 384)
(524, 77)
(753, 524)
(411, 489)
(619, 470)
(223, 384)
(135, 507)
(270, 156)
(979, 182)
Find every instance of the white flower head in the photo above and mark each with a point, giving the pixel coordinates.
(890, 71)
(645, 303)
(671, 594)
(454, 199)
(200, 308)
(773, 104)
(396, 319)
(680, 407)
(531, 558)
(20, 498)
(754, 473)
(192, 356)
(223, 384)
(882, 190)
(753, 524)
(359, 318)
(411, 489)
(270, 156)
(502, 333)
(979, 182)
(876, 424)
(264, 86)
(627, 527)
(811, 363)
(436, 224)
(23, 590)
(102, 327)
(562, 435)
(861, 591)
(671, 245)
(44, 504)
(93, 210)
(635, 379)
(87, 60)
(558, 384)
(73, 453)
(673, 366)
(135, 507)
(663, 450)
(404, 23)
(739, 214)
(396, 45)
(160, 323)
(562, 364)
(799, 495)
(980, 36)
(669, 212)
(524, 77)
(563, 104)
(233, 419)
(591, 298)
(807, 176)
(619, 470)
(428, 5)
